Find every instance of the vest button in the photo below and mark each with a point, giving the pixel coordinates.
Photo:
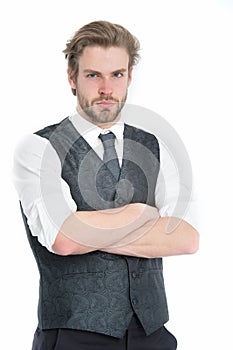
(134, 301)
(134, 274)
(120, 201)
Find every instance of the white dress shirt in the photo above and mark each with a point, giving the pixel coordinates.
(36, 162)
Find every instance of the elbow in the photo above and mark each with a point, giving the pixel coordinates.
(63, 245)
(61, 249)
(192, 244)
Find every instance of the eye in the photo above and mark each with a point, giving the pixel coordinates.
(92, 75)
(118, 75)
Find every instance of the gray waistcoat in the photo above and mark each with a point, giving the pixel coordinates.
(99, 292)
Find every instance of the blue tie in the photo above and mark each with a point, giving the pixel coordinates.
(110, 156)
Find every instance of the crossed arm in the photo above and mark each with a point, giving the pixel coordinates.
(134, 230)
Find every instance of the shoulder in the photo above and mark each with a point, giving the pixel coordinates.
(30, 143)
(31, 149)
(131, 130)
(33, 157)
(49, 130)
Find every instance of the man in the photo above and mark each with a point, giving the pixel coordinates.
(91, 199)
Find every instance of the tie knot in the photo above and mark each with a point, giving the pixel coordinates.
(108, 139)
(110, 155)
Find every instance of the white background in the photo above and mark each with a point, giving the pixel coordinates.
(186, 76)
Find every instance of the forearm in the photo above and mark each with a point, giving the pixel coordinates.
(87, 231)
(166, 237)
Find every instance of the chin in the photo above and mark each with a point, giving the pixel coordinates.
(105, 116)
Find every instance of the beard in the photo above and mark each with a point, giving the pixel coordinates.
(99, 115)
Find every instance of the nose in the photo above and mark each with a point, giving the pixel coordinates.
(105, 87)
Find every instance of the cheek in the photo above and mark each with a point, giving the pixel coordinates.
(87, 87)
(121, 87)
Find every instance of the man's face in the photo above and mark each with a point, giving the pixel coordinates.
(102, 83)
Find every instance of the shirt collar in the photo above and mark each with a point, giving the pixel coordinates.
(90, 131)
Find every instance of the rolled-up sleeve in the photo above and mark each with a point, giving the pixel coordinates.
(175, 193)
(45, 197)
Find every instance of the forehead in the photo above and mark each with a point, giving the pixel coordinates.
(104, 59)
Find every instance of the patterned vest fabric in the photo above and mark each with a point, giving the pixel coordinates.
(98, 291)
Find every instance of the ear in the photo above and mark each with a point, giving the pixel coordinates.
(130, 75)
(70, 79)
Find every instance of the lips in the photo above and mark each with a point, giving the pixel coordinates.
(105, 104)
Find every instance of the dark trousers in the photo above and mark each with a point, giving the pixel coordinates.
(134, 339)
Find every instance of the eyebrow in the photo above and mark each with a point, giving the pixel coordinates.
(123, 70)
